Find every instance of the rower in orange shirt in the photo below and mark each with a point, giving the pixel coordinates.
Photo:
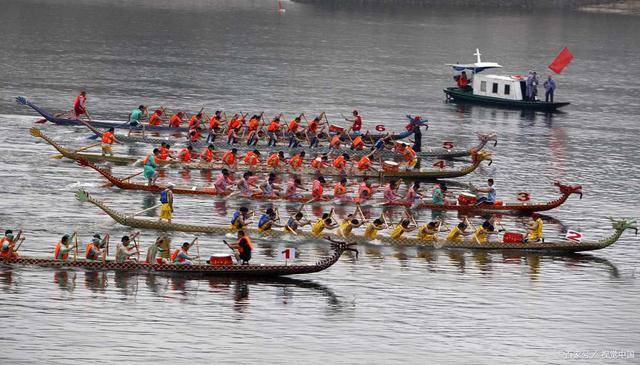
(195, 121)
(292, 130)
(340, 163)
(275, 159)
(410, 156)
(215, 123)
(272, 131)
(185, 154)
(334, 145)
(208, 155)
(230, 158)
(340, 189)
(365, 163)
(177, 120)
(108, 139)
(195, 134)
(252, 158)
(156, 117)
(296, 161)
(165, 151)
(320, 162)
(252, 130)
(317, 188)
(312, 131)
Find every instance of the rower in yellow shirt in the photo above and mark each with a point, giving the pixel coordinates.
(429, 232)
(481, 235)
(402, 227)
(323, 223)
(347, 225)
(535, 229)
(371, 232)
(458, 232)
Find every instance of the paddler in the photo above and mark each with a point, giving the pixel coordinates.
(357, 123)
(252, 129)
(123, 251)
(195, 121)
(230, 158)
(365, 164)
(292, 130)
(166, 199)
(311, 132)
(93, 251)
(535, 229)
(340, 189)
(296, 161)
(323, 223)
(317, 188)
(181, 255)
(458, 232)
(208, 154)
(234, 128)
(185, 155)
(176, 120)
(156, 118)
(366, 189)
(340, 163)
(268, 220)
(222, 182)
(245, 184)
(293, 185)
(429, 232)
(347, 225)
(136, 115)
(272, 131)
(239, 219)
(296, 221)
(8, 243)
(380, 144)
(275, 160)
(252, 159)
(405, 225)
(108, 139)
(481, 234)
(194, 135)
(165, 151)
(371, 232)
(391, 191)
(268, 189)
(159, 246)
(150, 166)
(334, 144)
(79, 105)
(320, 162)
(215, 123)
(358, 144)
(63, 247)
(413, 195)
(244, 247)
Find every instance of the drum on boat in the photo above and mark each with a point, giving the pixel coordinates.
(512, 237)
(220, 260)
(335, 128)
(467, 199)
(390, 166)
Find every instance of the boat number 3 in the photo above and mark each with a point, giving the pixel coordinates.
(447, 145)
(523, 196)
(439, 164)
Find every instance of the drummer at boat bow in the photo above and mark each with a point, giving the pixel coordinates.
(166, 199)
(490, 190)
(357, 123)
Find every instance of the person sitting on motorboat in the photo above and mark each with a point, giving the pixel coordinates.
(463, 81)
(491, 193)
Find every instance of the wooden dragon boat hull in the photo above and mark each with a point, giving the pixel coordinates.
(202, 270)
(101, 124)
(93, 157)
(561, 246)
(430, 153)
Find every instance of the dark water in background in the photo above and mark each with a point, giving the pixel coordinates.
(393, 304)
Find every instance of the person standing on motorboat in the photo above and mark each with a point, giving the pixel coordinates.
(549, 88)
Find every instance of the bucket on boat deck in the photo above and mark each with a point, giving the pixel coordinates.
(390, 166)
(219, 260)
(335, 128)
(467, 199)
(512, 237)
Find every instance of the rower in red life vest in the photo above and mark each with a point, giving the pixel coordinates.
(357, 144)
(156, 118)
(320, 162)
(177, 120)
(275, 159)
(63, 247)
(252, 130)
(317, 188)
(234, 129)
(208, 154)
(252, 158)
(108, 139)
(230, 158)
(292, 130)
(181, 255)
(366, 189)
(195, 121)
(165, 151)
(195, 134)
(215, 123)
(296, 161)
(79, 105)
(222, 182)
(8, 243)
(357, 123)
(93, 251)
(312, 131)
(340, 189)
(365, 163)
(463, 81)
(272, 131)
(244, 247)
(185, 154)
(340, 163)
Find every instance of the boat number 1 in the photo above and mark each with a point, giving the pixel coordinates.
(447, 145)
(523, 196)
(439, 164)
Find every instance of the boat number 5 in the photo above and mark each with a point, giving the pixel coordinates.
(447, 145)
(523, 196)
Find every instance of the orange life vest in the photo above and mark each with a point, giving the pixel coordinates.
(194, 121)
(251, 159)
(155, 119)
(296, 162)
(317, 189)
(273, 126)
(108, 138)
(56, 252)
(339, 189)
(229, 158)
(89, 255)
(357, 142)
(164, 153)
(240, 249)
(313, 126)
(253, 124)
(293, 126)
(207, 155)
(335, 141)
(235, 123)
(364, 163)
(9, 250)
(317, 163)
(184, 155)
(273, 160)
(214, 123)
(409, 154)
(340, 162)
(174, 254)
(175, 121)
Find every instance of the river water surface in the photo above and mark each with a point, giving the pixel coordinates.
(392, 304)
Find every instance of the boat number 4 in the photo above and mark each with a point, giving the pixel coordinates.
(447, 145)
(523, 196)
(439, 164)
(574, 236)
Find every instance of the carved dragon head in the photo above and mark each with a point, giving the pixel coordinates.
(82, 196)
(486, 137)
(623, 224)
(35, 132)
(569, 189)
(482, 155)
(341, 246)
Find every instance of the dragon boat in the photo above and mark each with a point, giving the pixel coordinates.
(520, 207)
(102, 124)
(464, 207)
(197, 269)
(442, 152)
(563, 246)
(73, 155)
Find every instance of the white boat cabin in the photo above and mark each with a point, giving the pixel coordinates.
(503, 87)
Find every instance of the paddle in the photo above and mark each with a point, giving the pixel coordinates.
(126, 178)
(105, 254)
(411, 216)
(59, 156)
(146, 210)
(232, 250)
(75, 250)
(19, 239)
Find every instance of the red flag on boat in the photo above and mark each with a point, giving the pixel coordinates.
(562, 60)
